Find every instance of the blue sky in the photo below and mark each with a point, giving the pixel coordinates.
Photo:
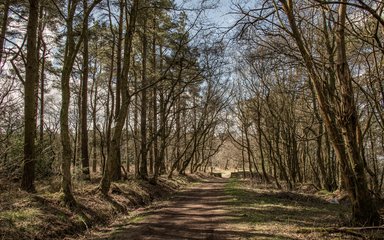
(219, 15)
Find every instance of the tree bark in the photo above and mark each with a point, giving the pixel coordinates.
(42, 78)
(116, 164)
(84, 102)
(71, 50)
(31, 78)
(154, 94)
(4, 25)
(94, 120)
(364, 210)
(144, 102)
(159, 160)
(120, 120)
(342, 133)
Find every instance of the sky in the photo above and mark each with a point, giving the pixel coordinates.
(219, 13)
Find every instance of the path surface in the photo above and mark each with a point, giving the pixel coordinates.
(199, 212)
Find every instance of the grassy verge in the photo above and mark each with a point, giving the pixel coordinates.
(277, 214)
(42, 215)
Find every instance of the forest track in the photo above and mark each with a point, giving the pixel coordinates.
(198, 212)
(232, 209)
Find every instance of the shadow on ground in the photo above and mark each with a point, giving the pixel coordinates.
(200, 212)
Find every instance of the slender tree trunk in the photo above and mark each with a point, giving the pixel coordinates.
(42, 86)
(249, 151)
(77, 138)
(159, 160)
(127, 144)
(70, 52)
(64, 118)
(178, 128)
(109, 114)
(150, 134)
(94, 120)
(364, 211)
(4, 25)
(32, 77)
(143, 116)
(84, 103)
(116, 161)
(135, 125)
(154, 66)
(260, 144)
(118, 59)
(65, 139)
(120, 120)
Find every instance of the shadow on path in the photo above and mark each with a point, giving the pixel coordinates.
(199, 212)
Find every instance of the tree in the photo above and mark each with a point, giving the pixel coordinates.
(364, 210)
(31, 78)
(331, 82)
(120, 119)
(345, 129)
(143, 171)
(71, 49)
(84, 101)
(4, 24)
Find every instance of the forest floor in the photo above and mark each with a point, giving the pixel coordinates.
(235, 209)
(193, 207)
(42, 215)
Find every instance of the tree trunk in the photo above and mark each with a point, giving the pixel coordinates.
(94, 120)
(42, 82)
(118, 59)
(4, 28)
(111, 106)
(159, 160)
(364, 210)
(143, 116)
(260, 144)
(65, 139)
(116, 161)
(120, 120)
(84, 103)
(136, 123)
(154, 94)
(342, 133)
(127, 144)
(31, 78)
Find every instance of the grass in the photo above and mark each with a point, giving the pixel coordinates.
(44, 216)
(284, 215)
(137, 219)
(20, 215)
(23, 219)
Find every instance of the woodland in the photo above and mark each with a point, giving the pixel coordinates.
(110, 104)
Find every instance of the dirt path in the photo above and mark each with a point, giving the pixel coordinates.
(199, 212)
(232, 209)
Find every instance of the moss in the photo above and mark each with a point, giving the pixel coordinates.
(137, 219)
(20, 215)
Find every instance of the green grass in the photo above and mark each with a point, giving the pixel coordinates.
(137, 219)
(20, 215)
(22, 219)
(287, 214)
(232, 188)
